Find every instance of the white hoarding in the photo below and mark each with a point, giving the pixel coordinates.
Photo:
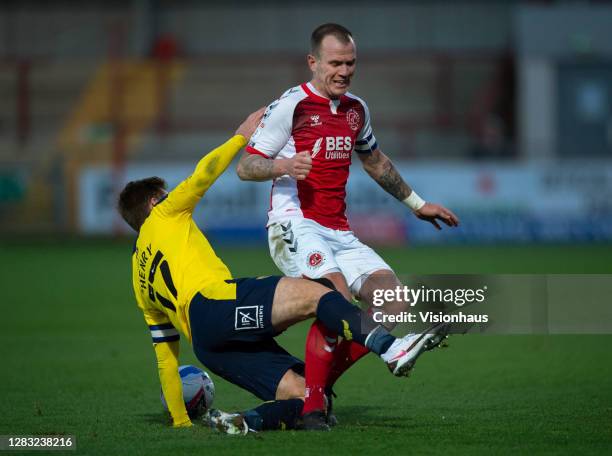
(495, 202)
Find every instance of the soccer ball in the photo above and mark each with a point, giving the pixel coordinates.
(198, 390)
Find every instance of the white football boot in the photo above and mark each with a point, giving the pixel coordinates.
(403, 353)
(227, 423)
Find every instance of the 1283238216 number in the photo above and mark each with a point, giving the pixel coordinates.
(37, 442)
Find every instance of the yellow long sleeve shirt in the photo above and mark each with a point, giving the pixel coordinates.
(172, 261)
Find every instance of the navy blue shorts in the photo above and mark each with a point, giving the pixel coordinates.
(235, 338)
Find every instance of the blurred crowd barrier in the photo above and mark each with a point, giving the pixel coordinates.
(496, 202)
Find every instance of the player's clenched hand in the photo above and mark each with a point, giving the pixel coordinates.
(299, 165)
(433, 212)
(247, 128)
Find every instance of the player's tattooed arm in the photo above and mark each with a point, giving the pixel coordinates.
(254, 167)
(381, 169)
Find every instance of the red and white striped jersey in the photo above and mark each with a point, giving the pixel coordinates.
(302, 120)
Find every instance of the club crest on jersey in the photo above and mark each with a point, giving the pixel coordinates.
(353, 119)
(315, 259)
(315, 122)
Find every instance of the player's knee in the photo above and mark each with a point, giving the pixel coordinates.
(383, 279)
(311, 293)
(291, 386)
(290, 394)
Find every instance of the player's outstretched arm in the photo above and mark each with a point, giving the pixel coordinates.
(187, 194)
(217, 161)
(167, 364)
(381, 169)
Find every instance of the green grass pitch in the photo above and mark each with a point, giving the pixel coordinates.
(77, 359)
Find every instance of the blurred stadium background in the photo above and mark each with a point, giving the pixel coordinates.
(500, 110)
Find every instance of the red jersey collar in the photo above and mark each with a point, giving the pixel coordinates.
(314, 96)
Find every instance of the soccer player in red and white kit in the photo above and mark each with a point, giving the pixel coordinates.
(304, 145)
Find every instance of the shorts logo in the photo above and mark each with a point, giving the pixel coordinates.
(315, 259)
(353, 119)
(248, 317)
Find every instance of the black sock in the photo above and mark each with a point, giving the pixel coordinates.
(349, 321)
(274, 415)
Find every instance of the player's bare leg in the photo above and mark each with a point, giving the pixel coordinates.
(383, 279)
(291, 386)
(295, 300)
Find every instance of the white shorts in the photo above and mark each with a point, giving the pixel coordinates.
(303, 248)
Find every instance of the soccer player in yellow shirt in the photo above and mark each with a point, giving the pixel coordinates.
(182, 286)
